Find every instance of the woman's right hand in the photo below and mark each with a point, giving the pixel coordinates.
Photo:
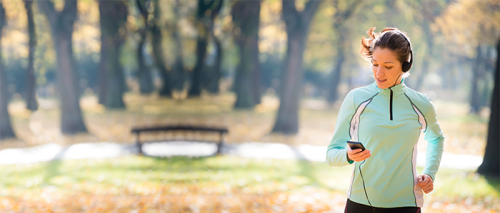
(358, 155)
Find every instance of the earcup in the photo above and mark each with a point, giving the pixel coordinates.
(406, 66)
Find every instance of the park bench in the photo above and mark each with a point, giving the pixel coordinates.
(138, 131)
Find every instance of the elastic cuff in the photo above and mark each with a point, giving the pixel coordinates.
(347, 158)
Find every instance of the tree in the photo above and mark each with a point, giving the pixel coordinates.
(426, 12)
(113, 17)
(339, 18)
(478, 26)
(482, 30)
(491, 161)
(158, 54)
(491, 158)
(246, 35)
(215, 71)
(297, 28)
(31, 102)
(179, 73)
(5, 125)
(205, 14)
(477, 72)
(146, 85)
(61, 28)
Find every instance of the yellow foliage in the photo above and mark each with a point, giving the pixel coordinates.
(272, 29)
(468, 23)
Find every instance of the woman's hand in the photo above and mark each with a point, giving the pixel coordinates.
(358, 155)
(425, 182)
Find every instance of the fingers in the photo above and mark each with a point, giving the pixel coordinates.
(427, 189)
(419, 180)
(357, 155)
(425, 182)
(424, 179)
(350, 151)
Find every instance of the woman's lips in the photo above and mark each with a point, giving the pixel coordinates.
(381, 81)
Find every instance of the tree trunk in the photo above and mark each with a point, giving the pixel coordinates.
(243, 89)
(336, 75)
(491, 161)
(158, 54)
(474, 102)
(113, 17)
(254, 54)
(247, 79)
(103, 74)
(145, 76)
(487, 68)
(61, 25)
(422, 72)
(201, 51)
(215, 74)
(287, 119)
(339, 18)
(179, 74)
(31, 102)
(205, 17)
(5, 124)
(428, 56)
(297, 28)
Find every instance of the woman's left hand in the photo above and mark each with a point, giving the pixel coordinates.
(425, 182)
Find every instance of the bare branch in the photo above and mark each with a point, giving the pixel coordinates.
(69, 11)
(340, 18)
(217, 8)
(290, 13)
(2, 16)
(310, 10)
(70, 6)
(207, 4)
(49, 9)
(142, 5)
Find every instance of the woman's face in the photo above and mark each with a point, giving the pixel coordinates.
(386, 68)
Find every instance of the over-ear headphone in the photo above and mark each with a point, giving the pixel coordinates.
(407, 65)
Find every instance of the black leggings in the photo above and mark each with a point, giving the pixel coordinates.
(353, 207)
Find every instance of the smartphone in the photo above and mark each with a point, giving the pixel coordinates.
(356, 145)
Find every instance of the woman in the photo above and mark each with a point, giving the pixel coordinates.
(387, 118)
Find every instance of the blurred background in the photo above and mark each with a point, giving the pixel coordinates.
(77, 76)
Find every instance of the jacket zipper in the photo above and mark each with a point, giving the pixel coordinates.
(390, 105)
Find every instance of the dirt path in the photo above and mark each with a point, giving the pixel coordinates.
(102, 150)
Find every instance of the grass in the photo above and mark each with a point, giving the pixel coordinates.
(214, 184)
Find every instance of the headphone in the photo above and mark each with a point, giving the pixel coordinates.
(407, 65)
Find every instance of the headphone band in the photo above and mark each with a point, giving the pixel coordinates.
(407, 67)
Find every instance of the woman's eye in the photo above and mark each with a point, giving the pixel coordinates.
(388, 67)
(375, 65)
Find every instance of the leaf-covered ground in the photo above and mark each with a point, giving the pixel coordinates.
(465, 134)
(215, 184)
(218, 184)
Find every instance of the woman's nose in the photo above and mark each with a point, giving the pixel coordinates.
(379, 71)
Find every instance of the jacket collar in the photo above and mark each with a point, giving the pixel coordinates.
(397, 90)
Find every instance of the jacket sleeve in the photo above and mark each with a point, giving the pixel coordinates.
(435, 140)
(336, 154)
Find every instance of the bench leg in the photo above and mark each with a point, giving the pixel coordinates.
(221, 142)
(138, 144)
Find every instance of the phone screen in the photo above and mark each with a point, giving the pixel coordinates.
(356, 145)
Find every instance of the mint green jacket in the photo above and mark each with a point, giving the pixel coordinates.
(388, 122)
